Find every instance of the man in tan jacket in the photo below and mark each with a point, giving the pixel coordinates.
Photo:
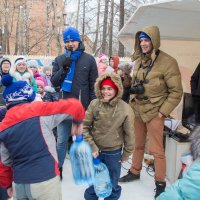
(156, 91)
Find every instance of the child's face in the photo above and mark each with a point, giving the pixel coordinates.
(112, 63)
(21, 67)
(48, 72)
(34, 69)
(40, 89)
(107, 92)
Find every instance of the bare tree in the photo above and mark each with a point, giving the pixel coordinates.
(47, 27)
(121, 24)
(105, 24)
(111, 27)
(97, 27)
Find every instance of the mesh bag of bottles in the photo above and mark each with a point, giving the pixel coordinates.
(81, 161)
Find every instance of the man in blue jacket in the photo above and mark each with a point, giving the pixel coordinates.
(75, 73)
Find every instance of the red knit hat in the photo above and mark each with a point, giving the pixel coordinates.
(108, 81)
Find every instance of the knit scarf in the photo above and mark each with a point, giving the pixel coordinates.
(67, 83)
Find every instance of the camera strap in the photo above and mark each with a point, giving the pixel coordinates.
(148, 68)
(151, 65)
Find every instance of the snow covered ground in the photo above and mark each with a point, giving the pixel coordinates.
(142, 189)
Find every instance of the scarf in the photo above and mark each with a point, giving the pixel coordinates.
(67, 83)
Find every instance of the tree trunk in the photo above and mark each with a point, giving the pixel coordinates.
(121, 24)
(97, 27)
(111, 27)
(56, 29)
(78, 14)
(47, 28)
(105, 23)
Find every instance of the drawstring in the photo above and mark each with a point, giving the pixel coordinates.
(114, 111)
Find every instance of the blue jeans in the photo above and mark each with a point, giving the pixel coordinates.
(112, 161)
(63, 133)
(3, 194)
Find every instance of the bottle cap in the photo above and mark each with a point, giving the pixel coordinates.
(96, 161)
(79, 138)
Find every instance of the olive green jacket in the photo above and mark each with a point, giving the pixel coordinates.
(109, 125)
(163, 88)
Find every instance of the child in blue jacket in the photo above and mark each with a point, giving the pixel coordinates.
(187, 188)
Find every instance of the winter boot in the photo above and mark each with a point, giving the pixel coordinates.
(160, 187)
(61, 169)
(129, 177)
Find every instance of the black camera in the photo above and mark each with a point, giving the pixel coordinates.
(137, 89)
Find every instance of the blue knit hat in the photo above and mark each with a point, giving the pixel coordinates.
(144, 35)
(17, 91)
(32, 63)
(71, 34)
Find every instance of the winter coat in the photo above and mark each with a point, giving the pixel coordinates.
(163, 88)
(6, 176)
(186, 188)
(195, 82)
(109, 125)
(27, 140)
(83, 81)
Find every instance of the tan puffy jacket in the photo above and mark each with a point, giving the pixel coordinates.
(163, 88)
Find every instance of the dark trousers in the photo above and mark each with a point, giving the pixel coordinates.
(3, 194)
(112, 161)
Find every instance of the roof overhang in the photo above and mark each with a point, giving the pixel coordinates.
(176, 19)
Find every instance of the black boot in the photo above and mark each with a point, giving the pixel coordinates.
(61, 169)
(160, 187)
(129, 177)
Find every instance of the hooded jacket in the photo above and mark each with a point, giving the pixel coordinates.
(163, 88)
(27, 142)
(109, 125)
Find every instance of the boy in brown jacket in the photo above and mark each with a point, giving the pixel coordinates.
(108, 129)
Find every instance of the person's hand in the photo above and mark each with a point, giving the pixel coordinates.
(95, 154)
(10, 191)
(66, 63)
(76, 129)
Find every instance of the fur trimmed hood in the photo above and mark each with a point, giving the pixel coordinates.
(116, 79)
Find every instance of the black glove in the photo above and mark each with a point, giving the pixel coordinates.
(66, 63)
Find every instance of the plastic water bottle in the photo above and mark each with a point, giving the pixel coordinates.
(102, 182)
(81, 161)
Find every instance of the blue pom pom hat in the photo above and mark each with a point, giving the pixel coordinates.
(17, 91)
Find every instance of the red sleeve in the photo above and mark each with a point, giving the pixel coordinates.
(23, 112)
(6, 176)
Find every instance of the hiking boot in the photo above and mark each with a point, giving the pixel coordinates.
(160, 187)
(129, 177)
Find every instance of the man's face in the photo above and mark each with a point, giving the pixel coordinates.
(146, 45)
(72, 44)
